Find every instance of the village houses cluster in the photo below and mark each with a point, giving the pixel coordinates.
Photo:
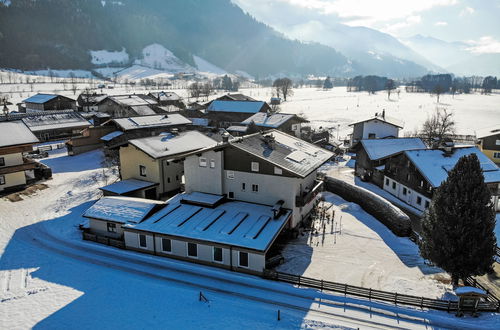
(218, 183)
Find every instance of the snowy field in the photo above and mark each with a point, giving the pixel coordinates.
(50, 278)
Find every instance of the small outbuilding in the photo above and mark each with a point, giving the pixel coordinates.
(468, 299)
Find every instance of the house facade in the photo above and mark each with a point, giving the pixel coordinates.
(264, 168)
(412, 176)
(378, 127)
(372, 155)
(157, 159)
(15, 140)
(489, 143)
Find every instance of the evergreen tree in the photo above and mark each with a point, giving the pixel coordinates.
(458, 229)
(328, 83)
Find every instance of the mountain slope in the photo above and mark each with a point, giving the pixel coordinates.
(60, 34)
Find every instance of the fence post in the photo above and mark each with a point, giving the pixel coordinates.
(279, 316)
(396, 299)
(299, 281)
(449, 304)
(422, 303)
(370, 295)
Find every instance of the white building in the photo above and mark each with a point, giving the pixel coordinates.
(378, 127)
(262, 168)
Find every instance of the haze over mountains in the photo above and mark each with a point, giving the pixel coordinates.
(183, 35)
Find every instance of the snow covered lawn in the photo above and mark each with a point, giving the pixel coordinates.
(358, 250)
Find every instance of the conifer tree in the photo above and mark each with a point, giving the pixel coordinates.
(458, 229)
(328, 83)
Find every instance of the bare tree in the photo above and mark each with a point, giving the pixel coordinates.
(389, 86)
(195, 90)
(438, 90)
(275, 108)
(283, 86)
(437, 127)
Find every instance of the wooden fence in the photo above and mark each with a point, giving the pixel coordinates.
(371, 294)
(103, 240)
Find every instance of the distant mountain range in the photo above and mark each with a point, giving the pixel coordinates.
(455, 57)
(190, 35)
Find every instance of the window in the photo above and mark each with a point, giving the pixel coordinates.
(192, 250)
(255, 167)
(372, 135)
(404, 191)
(255, 188)
(243, 186)
(166, 245)
(419, 200)
(278, 170)
(2, 179)
(496, 155)
(111, 227)
(497, 142)
(386, 182)
(203, 162)
(393, 185)
(212, 163)
(421, 183)
(408, 177)
(142, 170)
(177, 177)
(2, 161)
(218, 254)
(142, 241)
(427, 204)
(168, 179)
(230, 175)
(243, 259)
(231, 194)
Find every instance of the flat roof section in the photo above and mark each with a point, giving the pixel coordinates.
(233, 223)
(127, 186)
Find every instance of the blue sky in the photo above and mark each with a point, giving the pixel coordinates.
(475, 22)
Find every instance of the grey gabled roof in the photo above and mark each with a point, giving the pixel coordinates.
(164, 120)
(386, 119)
(15, 133)
(286, 151)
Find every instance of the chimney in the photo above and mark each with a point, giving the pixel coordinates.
(225, 137)
(383, 114)
(269, 140)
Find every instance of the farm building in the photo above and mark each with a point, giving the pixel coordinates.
(55, 125)
(90, 102)
(288, 123)
(47, 102)
(226, 113)
(118, 106)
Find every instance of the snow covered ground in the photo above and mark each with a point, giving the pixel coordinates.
(359, 250)
(50, 278)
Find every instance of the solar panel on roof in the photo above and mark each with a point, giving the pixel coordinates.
(297, 156)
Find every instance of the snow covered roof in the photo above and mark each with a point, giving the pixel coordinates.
(165, 120)
(143, 110)
(271, 120)
(236, 106)
(237, 97)
(165, 96)
(54, 120)
(169, 144)
(133, 99)
(236, 128)
(387, 119)
(470, 290)
(285, 151)
(434, 165)
(40, 98)
(382, 148)
(489, 131)
(15, 133)
(111, 136)
(91, 99)
(122, 209)
(234, 223)
(127, 186)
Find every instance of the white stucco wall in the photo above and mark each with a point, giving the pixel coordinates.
(204, 179)
(380, 129)
(411, 196)
(12, 159)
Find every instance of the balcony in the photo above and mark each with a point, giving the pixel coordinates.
(27, 164)
(309, 194)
